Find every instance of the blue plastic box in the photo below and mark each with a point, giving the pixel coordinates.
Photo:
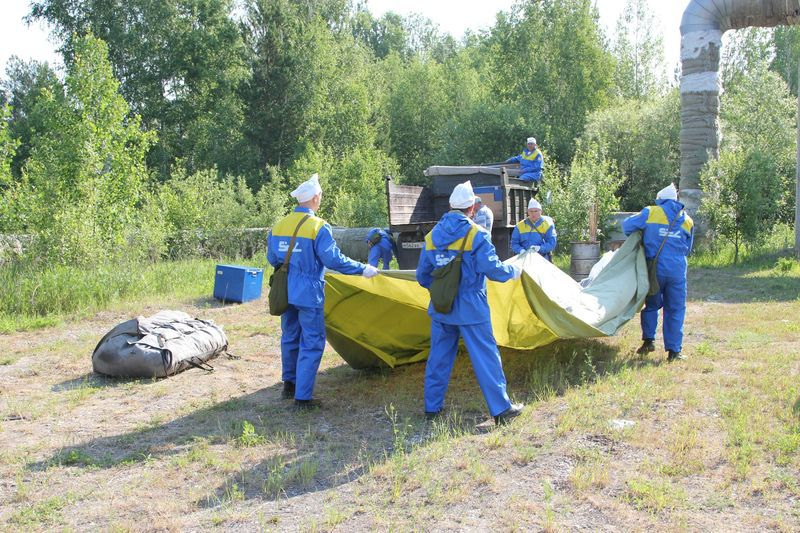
(238, 283)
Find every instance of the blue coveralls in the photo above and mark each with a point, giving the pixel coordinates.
(531, 164)
(383, 250)
(303, 323)
(542, 234)
(469, 317)
(654, 222)
(484, 218)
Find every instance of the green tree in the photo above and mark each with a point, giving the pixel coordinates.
(383, 36)
(787, 54)
(418, 108)
(751, 187)
(86, 173)
(24, 84)
(180, 64)
(747, 50)
(310, 84)
(354, 190)
(758, 117)
(592, 180)
(8, 147)
(549, 56)
(740, 196)
(639, 51)
(642, 139)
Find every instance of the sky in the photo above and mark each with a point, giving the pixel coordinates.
(452, 16)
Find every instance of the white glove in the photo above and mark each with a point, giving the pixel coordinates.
(534, 248)
(369, 272)
(517, 271)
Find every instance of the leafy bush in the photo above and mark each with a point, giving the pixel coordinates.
(354, 191)
(86, 174)
(8, 148)
(641, 138)
(592, 180)
(741, 193)
(206, 216)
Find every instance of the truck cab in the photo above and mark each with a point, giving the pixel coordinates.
(414, 210)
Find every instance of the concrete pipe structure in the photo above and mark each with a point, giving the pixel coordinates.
(702, 26)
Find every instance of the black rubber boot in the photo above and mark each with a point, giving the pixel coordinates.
(506, 416)
(305, 405)
(288, 390)
(646, 347)
(675, 356)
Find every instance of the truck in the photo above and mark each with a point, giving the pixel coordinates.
(414, 210)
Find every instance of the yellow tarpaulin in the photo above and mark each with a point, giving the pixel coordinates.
(383, 321)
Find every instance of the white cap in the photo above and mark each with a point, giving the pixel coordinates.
(534, 204)
(308, 189)
(668, 193)
(478, 200)
(531, 140)
(462, 196)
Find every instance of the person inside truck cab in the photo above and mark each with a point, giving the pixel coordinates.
(381, 247)
(536, 232)
(531, 162)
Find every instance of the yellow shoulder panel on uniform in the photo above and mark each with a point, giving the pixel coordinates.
(455, 245)
(470, 236)
(523, 227)
(544, 226)
(656, 215)
(429, 241)
(311, 228)
(688, 223)
(287, 225)
(533, 155)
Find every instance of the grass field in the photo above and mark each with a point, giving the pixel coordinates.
(609, 440)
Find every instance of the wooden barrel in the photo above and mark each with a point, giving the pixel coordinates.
(584, 256)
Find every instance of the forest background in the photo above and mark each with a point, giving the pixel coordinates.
(182, 120)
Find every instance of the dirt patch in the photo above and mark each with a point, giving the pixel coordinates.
(221, 449)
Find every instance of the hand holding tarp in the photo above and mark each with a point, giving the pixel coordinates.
(369, 271)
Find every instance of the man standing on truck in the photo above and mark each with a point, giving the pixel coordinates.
(303, 323)
(536, 232)
(531, 162)
(454, 236)
(667, 236)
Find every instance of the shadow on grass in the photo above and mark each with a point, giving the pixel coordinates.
(209, 302)
(93, 380)
(739, 284)
(366, 419)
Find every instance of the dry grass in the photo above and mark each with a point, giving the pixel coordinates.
(714, 444)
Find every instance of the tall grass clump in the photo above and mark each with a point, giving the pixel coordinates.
(35, 296)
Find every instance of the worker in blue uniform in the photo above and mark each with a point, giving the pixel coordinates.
(381, 247)
(536, 232)
(469, 317)
(303, 323)
(484, 217)
(531, 162)
(667, 223)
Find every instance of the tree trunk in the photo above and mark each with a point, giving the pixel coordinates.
(797, 178)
